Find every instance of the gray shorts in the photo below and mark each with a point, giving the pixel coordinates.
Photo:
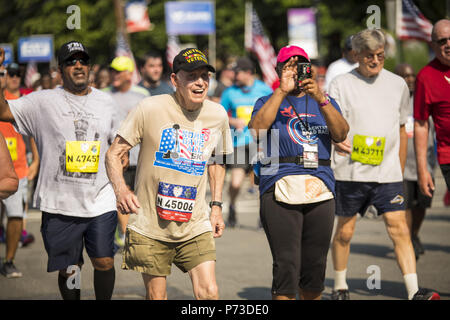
(15, 204)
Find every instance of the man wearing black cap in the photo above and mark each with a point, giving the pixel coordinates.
(346, 64)
(178, 134)
(239, 100)
(73, 126)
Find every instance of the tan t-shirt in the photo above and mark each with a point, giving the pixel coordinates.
(171, 173)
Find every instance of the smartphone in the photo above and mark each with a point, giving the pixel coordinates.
(303, 72)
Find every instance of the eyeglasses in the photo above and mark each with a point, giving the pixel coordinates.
(72, 62)
(442, 41)
(371, 57)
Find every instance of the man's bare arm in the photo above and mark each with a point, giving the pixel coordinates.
(425, 180)
(8, 177)
(403, 151)
(216, 176)
(127, 201)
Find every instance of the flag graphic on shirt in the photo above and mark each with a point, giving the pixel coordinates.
(182, 150)
(257, 42)
(411, 23)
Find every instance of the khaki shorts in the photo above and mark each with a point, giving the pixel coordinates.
(155, 257)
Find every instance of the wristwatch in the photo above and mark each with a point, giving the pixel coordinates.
(327, 101)
(215, 203)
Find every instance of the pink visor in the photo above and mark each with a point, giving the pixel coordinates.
(290, 51)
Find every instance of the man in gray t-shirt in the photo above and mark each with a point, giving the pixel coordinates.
(368, 166)
(73, 127)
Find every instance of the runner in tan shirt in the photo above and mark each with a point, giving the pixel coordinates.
(178, 134)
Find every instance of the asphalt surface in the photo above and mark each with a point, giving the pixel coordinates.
(244, 261)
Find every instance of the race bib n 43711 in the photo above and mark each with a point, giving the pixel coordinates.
(368, 149)
(82, 156)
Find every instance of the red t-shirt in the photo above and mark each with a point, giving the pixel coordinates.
(432, 97)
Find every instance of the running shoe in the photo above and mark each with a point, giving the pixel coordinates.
(26, 239)
(9, 270)
(231, 223)
(425, 294)
(340, 295)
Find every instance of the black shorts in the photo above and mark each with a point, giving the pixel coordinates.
(355, 197)
(64, 238)
(299, 237)
(413, 197)
(241, 157)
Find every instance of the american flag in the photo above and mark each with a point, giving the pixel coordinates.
(411, 23)
(173, 48)
(29, 73)
(258, 43)
(123, 49)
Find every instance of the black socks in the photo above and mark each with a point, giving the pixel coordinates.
(66, 293)
(104, 283)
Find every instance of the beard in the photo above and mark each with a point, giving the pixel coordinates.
(75, 86)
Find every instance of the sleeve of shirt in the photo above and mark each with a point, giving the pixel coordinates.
(258, 105)
(26, 114)
(132, 128)
(404, 104)
(227, 143)
(421, 102)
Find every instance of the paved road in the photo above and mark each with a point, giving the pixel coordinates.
(244, 268)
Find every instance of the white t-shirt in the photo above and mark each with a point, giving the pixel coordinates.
(372, 107)
(336, 68)
(53, 117)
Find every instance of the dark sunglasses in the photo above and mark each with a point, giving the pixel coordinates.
(2, 73)
(442, 41)
(72, 62)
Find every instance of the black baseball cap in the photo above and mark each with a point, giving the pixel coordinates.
(69, 49)
(191, 59)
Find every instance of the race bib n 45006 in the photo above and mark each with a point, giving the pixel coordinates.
(368, 149)
(82, 156)
(175, 202)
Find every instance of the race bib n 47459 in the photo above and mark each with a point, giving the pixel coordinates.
(82, 156)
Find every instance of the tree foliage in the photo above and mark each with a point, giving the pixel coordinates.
(337, 19)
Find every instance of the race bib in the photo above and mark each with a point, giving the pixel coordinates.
(82, 156)
(244, 113)
(12, 147)
(368, 149)
(175, 202)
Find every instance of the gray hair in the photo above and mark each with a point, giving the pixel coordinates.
(369, 39)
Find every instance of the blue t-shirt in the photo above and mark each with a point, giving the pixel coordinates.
(240, 100)
(292, 136)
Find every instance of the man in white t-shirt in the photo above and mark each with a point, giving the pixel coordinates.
(346, 64)
(368, 165)
(73, 126)
(178, 134)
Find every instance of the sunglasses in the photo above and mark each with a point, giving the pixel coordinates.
(72, 62)
(442, 41)
(2, 73)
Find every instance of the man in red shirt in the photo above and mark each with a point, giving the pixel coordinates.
(432, 98)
